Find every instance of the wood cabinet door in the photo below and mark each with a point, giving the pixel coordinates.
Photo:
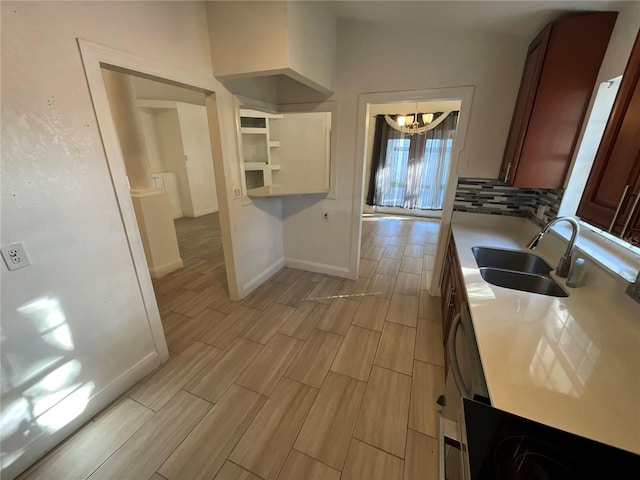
(560, 72)
(448, 290)
(613, 186)
(524, 104)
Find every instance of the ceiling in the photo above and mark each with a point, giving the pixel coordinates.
(515, 17)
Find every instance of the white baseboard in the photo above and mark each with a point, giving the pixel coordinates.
(409, 212)
(259, 279)
(318, 267)
(45, 442)
(162, 270)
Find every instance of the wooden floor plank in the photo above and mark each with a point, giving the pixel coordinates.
(382, 421)
(214, 380)
(327, 431)
(421, 461)
(219, 430)
(151, 445)
(338, 316)
(182, 337)
(265, 371)
(231, 471)
(395, 350)
(228, 328)
(159, 387)
(303, 321)
(299, 466)
(85, 451)
(403, 309)
(382, 285)
(267, 323)
(427, 384)
(265, 446)
(370, 463)
(408, 283)
(429, 346)
(315, 358)
(357, 352)
(371, 313)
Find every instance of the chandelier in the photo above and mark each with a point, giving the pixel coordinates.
(414, 124)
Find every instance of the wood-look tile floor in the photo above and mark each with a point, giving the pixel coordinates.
(310, 377)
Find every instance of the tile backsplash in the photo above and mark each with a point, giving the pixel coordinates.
(480, 195)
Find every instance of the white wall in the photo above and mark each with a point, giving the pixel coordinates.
(147, 119)
(171, 150)
(194, 130)
(58, 199)
(312, 41)
(380, 58)
(248, 37)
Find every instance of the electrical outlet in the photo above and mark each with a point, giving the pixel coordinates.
(14, 256)
(237, 192)
(325, 216)
(540, 211)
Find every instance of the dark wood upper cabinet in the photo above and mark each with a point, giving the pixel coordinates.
(611, 197)
(557, 83)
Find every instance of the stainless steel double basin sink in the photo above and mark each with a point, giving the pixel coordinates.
(517, 270)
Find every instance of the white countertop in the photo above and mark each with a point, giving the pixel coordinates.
(572, 363)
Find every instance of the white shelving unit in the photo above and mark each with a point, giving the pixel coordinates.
(257, 148)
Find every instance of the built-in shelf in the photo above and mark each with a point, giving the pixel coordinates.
(295, 162)
(253, 131)
(279, 191)
(260, 166)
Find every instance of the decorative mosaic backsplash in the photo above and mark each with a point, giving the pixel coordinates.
(479, 195)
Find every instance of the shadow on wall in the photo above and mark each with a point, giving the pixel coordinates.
(43, 386)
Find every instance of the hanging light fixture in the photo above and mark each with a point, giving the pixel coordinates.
(410, 125)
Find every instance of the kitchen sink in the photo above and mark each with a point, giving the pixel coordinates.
(527, 282)
(510, 260)
(517, 270)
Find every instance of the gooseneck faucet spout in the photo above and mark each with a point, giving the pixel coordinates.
(564, 265)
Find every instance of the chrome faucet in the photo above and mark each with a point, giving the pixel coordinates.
(562, 270)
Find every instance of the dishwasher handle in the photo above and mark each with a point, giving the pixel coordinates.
(453, 357)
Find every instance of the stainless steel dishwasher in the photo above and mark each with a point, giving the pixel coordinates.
(465, 380)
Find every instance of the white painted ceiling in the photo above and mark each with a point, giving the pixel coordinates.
(515, 17)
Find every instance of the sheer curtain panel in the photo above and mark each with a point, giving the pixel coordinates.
(410, 171)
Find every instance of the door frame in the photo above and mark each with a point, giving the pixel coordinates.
(463, 94)
(94, 56)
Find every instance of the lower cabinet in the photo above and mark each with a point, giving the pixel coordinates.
(453, 294)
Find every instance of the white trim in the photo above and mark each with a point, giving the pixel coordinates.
(407, 212)
(42, 444)
(162, 270)
(259, 279)
(94, 56)
(319, 268)
(465, 95)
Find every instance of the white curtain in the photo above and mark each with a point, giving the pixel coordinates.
(411, 170)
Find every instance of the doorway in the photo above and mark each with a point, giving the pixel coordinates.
(407, 242)
(95, 58)
(182, 238)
